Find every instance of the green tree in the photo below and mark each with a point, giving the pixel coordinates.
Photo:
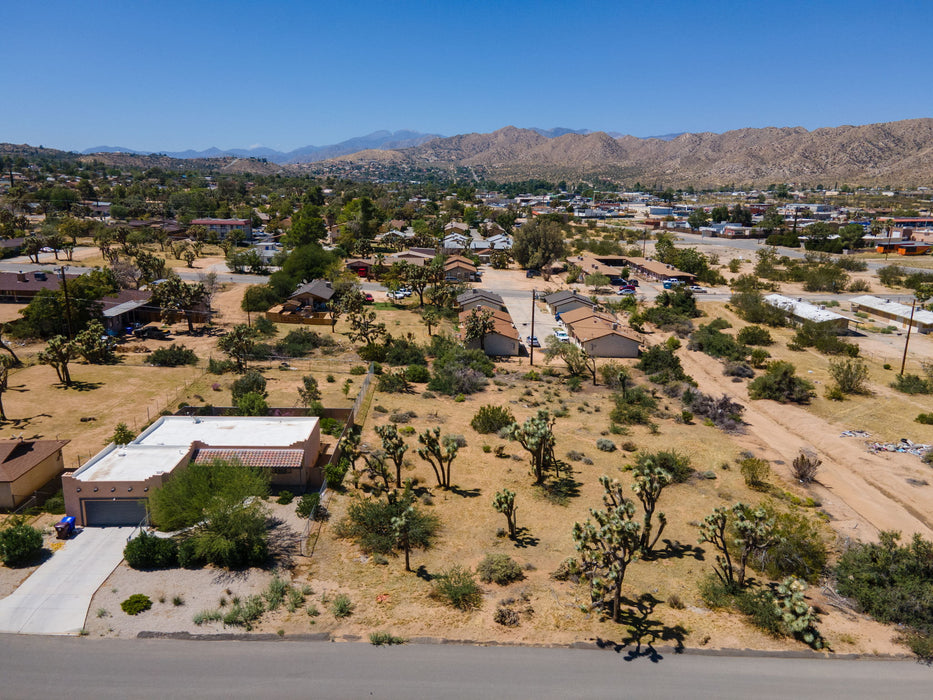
(370, 523)
(5, 364)
(698, 218)
(238, 344)
(430, 318)
(596, 280)
(478, 324)
(504, 502)
(439, 453)
(720, 214)
(539, 243)
(252, 382)
(308, 392)
(58, 353)
(94, 345)
(122, 435)
(575, 358)
(20, 543)
(536, 436)
(176, 297)
(780, 383)
(394, 447)
(607, 547)
(252, 404)
(364, 327)
(650, 480)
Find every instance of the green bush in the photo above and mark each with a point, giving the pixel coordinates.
(800, 551)
(20, 543)
(220, 366)
(491, 419)
(147, 552)
(634, 406)
(136, 604)
(394, 382)
(342, 606)
(912, 384)
(500, 569)
(457, 370)
(301, 342)
(252, 382)
(605, 445)
(457, 588)
(673, 462)
(307, 505)
(404, 352)
(384, 639)
(924, 418)
(418, 374)
(754, 335)
(358, 370)
(334, 473)
(369, 523)
(285, 497)
(711, 340)
(332, 426)
(755, 471)
(661, 360)
(245, 613)
(173, 356)
(780, 383)
(55, 504)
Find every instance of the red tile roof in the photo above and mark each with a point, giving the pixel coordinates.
(252, 457)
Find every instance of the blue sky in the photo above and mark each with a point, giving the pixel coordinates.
(169, 75)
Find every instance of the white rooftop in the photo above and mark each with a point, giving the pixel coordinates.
(228, 431)
(130, 463)
(803, 309)
(901, 311)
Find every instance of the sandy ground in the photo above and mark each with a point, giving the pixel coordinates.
(12, 577)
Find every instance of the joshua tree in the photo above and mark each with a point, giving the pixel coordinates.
(439, 453)
(504, 502)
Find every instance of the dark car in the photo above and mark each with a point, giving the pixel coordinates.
(532, 273)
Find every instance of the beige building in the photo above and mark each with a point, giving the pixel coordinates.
(26, 466)
(113, 487)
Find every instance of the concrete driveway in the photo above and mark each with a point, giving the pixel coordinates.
(56, 597)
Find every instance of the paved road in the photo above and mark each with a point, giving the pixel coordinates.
(85, 668)
(56, 597)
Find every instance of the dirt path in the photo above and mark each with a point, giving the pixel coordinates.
(864, 493)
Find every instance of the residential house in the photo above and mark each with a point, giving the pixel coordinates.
(224, 227)
(599, 339)
(502, 341)
(128, 307)
(563, 301)
(480, 297)
(315, 294)
(112, 488)
(459, 268)
(893, 312)
(26, 466)
(20, 287)
(455, 241)
(800, 311)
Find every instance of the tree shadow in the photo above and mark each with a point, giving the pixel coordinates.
(673, 549)
(561, 490)
(78, 385)
(523, 538)
(23, 422)
(643, 632)
(422, 573)
(466, 493)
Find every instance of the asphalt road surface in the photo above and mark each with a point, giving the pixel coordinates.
(51, 667)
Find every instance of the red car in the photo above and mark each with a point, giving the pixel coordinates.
(368, 298)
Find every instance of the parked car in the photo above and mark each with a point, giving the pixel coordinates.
(532, 273)
(561, 335)
(627, 291)
(150, 333)
(368, 298)
(696, 289)
(532, 340)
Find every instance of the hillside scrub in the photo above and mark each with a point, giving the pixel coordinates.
(780, 383)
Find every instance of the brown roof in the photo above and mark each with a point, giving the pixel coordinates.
(496, 313)
(459, 264)
(583, 313)
(501, 320)
(598, 331)
(31, 281)
(252, 458)
(17, 457)
(658, 268)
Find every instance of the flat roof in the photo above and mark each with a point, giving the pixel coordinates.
(896, 309)
(131, 462)
(803, 309)
(228, 431)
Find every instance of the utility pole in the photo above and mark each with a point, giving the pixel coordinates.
(531, 342)
(67, 303)
(907, 339)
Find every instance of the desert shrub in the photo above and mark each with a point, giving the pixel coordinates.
(500, 569)
(252, 382)
(245, 613)
(55, 504)
(723, 412)
(605, 445)
(457, 370)
(633, 407)
(136, 604)
(307, 505)
(417, 373)
(147, 552)
(220, 366)
(334, 473)
(491, 419)
(758, 358)
(758, 604)
(380, 639)
(301, 341)
(754, 335)
(755, 471)
(924, 418)
(402, 416)
(369, 523)
(285, 497)
(800, 550)
(457, 588)
(661, 360)
(395, 382)
(810, 335)
(342, 606)
(751, 307)
(891, 582)
(506, 616)
(805, 466)
(265, 327)
(404, 352)
(332, 426)
(613, 374)
(173, 356)
(251, 404)
(358, 370)
(738, 369)
(673, 462)
(859, 286)
(20, 543)
(912, 384)
(780, 383)
(710, 339)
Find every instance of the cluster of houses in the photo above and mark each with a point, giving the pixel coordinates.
(457, 268)
(503, 340)
(599, 333)
(614, 267)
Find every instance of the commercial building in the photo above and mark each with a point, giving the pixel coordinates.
(800, 311)
(113, 487)
(893, 312)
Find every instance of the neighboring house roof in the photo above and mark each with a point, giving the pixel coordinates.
(474, 294)
(30, 281)
(125, 301)
(564, 296)
(583, 313)
(586, 333)
(502, 321)
(220, 222)
(900, 311)
(320, 289)
(803, 309)
(17, 457)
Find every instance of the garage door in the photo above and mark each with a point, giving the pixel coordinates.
(123, 511)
